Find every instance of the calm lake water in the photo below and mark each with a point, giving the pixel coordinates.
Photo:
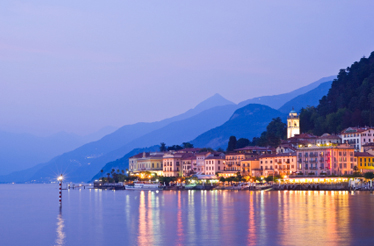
(30, 215)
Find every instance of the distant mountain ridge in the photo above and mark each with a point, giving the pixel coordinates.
(277, 101)
(19, 151)
(83, 162)
(246, 122)
(209, 124)
(311, 98)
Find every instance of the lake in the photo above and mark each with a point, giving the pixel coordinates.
(30, 215)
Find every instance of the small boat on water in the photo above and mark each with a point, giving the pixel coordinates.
(263, 187)
(189, 186)
(139, 185)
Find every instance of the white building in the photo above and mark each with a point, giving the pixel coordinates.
(293, 124)
(357, 136)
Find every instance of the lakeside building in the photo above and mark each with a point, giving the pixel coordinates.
(250, 165)
(365, 161)
(147, 161)
(199, 168)
(214, 163)
(293, 124)
(357, 136)
(188, 162)
(277, 164)
(325, 160)
(172, 163)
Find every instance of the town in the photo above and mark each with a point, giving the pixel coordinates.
(300, 155)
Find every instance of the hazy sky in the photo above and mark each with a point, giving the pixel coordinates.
(81, 65)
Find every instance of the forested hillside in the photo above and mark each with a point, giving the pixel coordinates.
(349, 101)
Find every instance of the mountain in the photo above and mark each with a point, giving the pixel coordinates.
(19, 151)
(281, 99)
(84, 162)
(311, 98)
(79, 169)
(246, 122)
(349, 102)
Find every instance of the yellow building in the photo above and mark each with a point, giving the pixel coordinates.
(249, 165)
(365, 162)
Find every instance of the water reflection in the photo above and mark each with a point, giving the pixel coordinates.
(60, 240)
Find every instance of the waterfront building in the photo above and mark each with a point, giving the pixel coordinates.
(214, 163)
(233, 159)
(146, 161)
(293, 124)
(278, 164)
(188, 162)
(172, 164)
(325, 160)
(357, 136)
(285, 163)
(365, 161)
(266, 163)
(199, 168)
(249, 166)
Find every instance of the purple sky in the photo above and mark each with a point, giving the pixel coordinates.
(81, 65)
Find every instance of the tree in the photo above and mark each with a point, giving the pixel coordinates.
(174, 147)
(187, 145)
(220, 150)
(241, 143)
(162, 147)
(232, 144)
(206, 150)
(369, 175)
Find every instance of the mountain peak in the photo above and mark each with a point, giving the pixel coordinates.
(213, 101)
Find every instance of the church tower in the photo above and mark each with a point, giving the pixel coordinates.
(293, 124)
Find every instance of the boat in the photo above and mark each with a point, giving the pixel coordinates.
(139, 185)
(263, 187)
(189, 186)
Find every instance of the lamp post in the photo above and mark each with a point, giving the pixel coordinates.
(60, 190)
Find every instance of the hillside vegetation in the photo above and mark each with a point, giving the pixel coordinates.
(349, 101)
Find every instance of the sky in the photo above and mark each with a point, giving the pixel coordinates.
(78, 66)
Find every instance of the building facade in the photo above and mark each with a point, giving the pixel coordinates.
(293, 124)
(214, 164)
(325, 160)
(365, 162)
(357, 136)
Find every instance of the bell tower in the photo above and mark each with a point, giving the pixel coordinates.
(293, 124)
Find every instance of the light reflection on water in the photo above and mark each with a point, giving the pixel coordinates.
(184, 217)
(60, 230)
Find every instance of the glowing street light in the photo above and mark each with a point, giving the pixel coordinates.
(60, 189)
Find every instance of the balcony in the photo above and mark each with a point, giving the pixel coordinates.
(313, 168)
